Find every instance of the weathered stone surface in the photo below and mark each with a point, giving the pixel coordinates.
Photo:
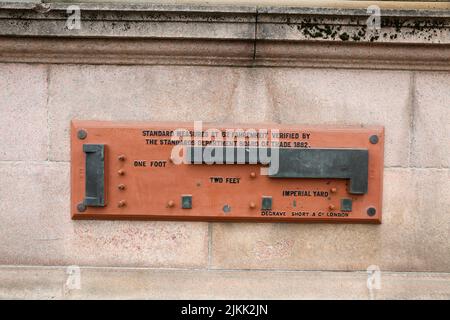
(346, 97)
(230, 22)
(35, 227)
(129, 20)
(251, 98)
(137, 243)
(412, 236)
(135, 93)
(106, 283)
(30, 228)
(23, 112)
(431, 121)
(278, 6)
(346, 25)
(125, 51)
(17, 282)
(149, 33)
(24, 1)
(319, 54)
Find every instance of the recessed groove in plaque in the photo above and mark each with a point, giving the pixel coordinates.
(324, 163)
(95, 175)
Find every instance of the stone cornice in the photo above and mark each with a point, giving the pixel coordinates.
(225, 35)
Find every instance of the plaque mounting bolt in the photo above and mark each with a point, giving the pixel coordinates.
(252, 175)
(121, 186)
(121, 157)
(333, 190)
(373, 139)
(252, 205)
(81, 134)
(122, 203)
(81, 207)
(121, 172)
(331, 207)
(371, 211)
(170, 203)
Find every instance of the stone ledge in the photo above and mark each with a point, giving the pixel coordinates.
(225, 35)
(224, 22)
(406, 11)
(353, 55)
(17, 282)
(131, 21)
(223, 53)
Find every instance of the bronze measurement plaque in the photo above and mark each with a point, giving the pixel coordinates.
(206, 171)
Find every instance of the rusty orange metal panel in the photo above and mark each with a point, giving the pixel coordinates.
(146, 170)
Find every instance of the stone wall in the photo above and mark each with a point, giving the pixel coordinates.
(41, 93)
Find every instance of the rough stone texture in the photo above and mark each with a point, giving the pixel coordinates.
(117, 283)
(35, 227)
(351, 28)
(135, 93)
(251, 98)
(431, 121)
(228, 22)
(240, 35)
(31, 210)
(412, 237)
(23, 113)
(25, 1)
(151, 20)
(149, 33)
(363, 56)
(425, 4)
(348, 97)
